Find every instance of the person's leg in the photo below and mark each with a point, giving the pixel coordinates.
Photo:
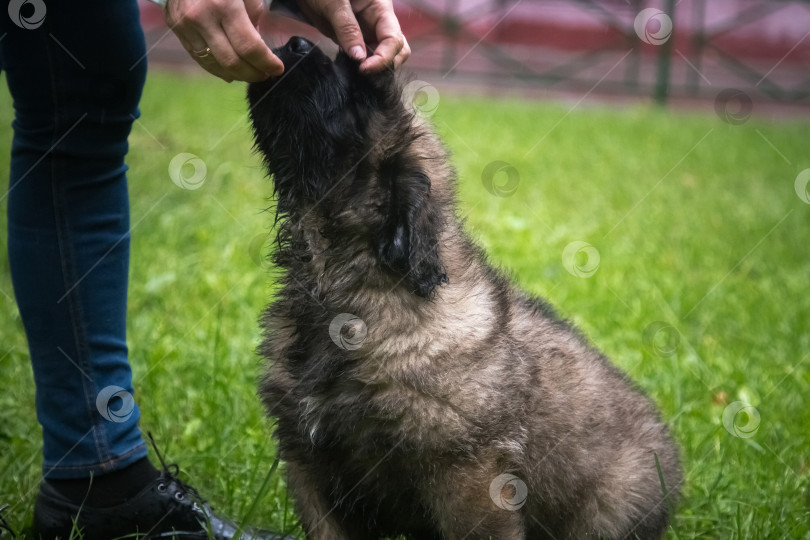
(76, 86)
(76, 76)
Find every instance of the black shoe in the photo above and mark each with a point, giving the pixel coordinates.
(165, 508)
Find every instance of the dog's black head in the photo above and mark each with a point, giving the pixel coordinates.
(308, 121)
(336, 139)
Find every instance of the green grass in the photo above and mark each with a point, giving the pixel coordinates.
(696, 223)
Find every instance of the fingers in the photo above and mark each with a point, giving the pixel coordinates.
(237, 51)
(403, 54)
(255, 9)
(346, 30)
(196, 47)
(389, 54)
(350, 21)
(392, 49)
(239, 48)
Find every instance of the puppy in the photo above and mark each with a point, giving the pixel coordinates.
(418, 393)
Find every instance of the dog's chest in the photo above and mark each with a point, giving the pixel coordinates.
(399, 406)
(380, 412)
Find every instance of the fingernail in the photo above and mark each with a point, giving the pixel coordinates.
(357, 52)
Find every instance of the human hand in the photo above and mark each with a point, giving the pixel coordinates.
(222, 36)
(353, 23)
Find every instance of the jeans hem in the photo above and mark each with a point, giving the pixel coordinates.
(96, 469)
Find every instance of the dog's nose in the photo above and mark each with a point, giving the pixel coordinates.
(299, 45)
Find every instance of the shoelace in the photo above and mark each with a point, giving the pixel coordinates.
(170, 474)
(4, 526)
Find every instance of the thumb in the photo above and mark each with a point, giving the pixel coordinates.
(347, 31)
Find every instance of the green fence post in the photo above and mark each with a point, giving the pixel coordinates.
(664, 59)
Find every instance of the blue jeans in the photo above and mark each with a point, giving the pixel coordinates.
(76, 78)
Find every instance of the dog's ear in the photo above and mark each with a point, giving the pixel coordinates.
(408, 242)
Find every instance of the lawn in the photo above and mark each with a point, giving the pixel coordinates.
(695, 282)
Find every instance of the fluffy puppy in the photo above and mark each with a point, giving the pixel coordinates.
(417, 391)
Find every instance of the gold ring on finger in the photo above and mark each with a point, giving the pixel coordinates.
(204, 54)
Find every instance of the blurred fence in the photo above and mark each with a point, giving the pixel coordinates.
(662, 48)
(685, 48)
